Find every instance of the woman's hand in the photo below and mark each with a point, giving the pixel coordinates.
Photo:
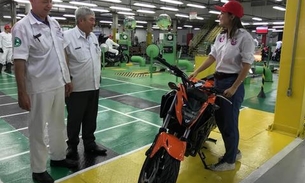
(229, 92)
(193, 75)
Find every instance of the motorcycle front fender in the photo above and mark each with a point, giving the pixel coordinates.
(174, 146)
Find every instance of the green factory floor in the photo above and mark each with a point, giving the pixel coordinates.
(127, 121)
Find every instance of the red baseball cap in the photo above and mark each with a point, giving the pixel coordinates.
(233, 7)
(7, 26)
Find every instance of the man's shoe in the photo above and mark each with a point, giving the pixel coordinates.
(222, 166)
(238, 156)
(72, 153)
(43, 177)
(66, 163)
(96, 150)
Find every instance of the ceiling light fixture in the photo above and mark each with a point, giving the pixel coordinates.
(113, 1)
(278, 27)
(257, 19)
(59, 18)
(69, 15)
(200, 18)
(125, 13)
(245, 23)
(172, 1)
(196, 6)
(144, 5)
(146, 11)
(83, 4)
(279, 8)
(260, 23)
(215, 12)
(65, 6)
(278, 23)
(100, 10)
(120, 8)
(107, 22)
(181, 15)
(277, 31)
(22, 1)
(169, 8)
(141, 22)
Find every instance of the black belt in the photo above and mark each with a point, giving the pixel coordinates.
(221, 75)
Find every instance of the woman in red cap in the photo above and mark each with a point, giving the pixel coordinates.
(233, 51)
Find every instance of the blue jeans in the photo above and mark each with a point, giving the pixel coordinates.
(227, 117)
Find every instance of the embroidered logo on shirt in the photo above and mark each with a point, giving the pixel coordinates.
(17, 42)
(233, 41)
(222, 38)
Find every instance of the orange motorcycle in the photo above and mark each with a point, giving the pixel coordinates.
(188, 118)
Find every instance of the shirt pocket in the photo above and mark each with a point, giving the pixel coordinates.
(80, 55)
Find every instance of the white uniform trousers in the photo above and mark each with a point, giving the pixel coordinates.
(6, 56)
(116, 52)
(47, 107)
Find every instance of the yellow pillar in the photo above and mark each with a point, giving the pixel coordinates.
(290, 102)
(149, 34)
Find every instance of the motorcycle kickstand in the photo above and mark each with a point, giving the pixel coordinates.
(212, 140)
(202, 157)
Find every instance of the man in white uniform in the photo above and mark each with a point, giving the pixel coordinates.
(43, 79)
(6, 49)
(84, 58)
(110, 43)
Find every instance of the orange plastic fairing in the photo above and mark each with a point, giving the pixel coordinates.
(174, 146)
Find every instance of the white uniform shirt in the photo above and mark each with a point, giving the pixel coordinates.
(5, 40)
(110, 43)
(278, 44)
(84, 56)
(231, 53)
(42, 48)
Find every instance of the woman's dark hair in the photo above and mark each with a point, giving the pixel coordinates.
(236, 24)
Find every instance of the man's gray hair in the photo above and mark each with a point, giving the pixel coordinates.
(82, 12)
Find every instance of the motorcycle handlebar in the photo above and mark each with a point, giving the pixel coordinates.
(175, 70)
(200, 84)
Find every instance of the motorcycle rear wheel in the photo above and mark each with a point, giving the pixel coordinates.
(161, 168)
(125, 58)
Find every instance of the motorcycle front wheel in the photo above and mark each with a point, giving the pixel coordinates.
(161, 168)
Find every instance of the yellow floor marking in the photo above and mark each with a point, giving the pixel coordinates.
(256, 143)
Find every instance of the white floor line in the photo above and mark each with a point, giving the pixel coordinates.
(20, 129)
(130, 116)
(13, 156)
(102, 86)
(8, 95)
(140, 110)
(15, 114)
(12, 131)
(9, 88)
(113, 127)
(102, 163)
(254, 176)
(12, 103)
(135, 84)
(8, 83)
(127, 94)
(110, 128)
